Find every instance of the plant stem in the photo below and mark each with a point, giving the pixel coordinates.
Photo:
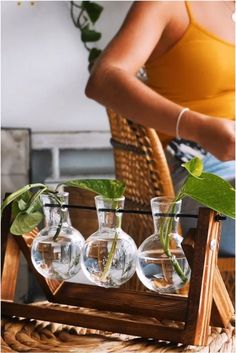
(110, 258)
(57, 199)
(113, 246)
(58, 227)
(165, 230)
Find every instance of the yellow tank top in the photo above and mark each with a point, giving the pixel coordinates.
(197, 72)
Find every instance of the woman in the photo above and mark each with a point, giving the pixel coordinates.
(188, 53)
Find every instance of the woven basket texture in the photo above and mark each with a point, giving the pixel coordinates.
(24, 335)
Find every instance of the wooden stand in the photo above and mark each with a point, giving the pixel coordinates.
(134, 313)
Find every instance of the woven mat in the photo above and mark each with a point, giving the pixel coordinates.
(21, 335)
(25, 335)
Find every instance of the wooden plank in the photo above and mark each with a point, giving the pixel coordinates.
(188, 246)
(202, 279)
(226, 264)
(222, 309)
(10, 258)
(5, 226)
(123, 301)
(131, 325)
(10, 269)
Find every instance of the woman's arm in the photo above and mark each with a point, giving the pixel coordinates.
(113, 82)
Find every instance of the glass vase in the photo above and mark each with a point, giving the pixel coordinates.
(162, 265)
(57, 248)
(109, 255)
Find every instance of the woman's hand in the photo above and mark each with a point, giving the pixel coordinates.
(217, 136)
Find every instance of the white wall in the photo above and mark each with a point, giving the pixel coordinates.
(44, 66)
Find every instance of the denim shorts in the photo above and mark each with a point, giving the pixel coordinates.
(225, 170)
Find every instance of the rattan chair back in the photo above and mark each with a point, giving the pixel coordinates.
(141, 163)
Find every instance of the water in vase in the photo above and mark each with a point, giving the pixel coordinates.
(157, 273)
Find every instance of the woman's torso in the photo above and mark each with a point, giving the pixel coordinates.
(197, 71)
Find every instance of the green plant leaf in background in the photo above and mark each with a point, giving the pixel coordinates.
(194, 167)
(109, 188)
(211, 191)
(93, 10)
(24, 222)
(89, 35)
(89, 13)
(93, 54)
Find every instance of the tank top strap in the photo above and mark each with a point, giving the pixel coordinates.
(189, 11)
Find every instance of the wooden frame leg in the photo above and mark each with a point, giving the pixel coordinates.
(206, 281)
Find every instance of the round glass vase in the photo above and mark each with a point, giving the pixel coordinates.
(162, 265)
(56, 250)
(109, 254)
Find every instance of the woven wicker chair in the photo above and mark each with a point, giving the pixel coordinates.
(141, 163)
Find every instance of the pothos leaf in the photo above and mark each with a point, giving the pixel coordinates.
(24, 222)
(17, 204)
(35, 203)
(194, 167)
(89, 35)
(18, 193)
(211, 191)
(94, 53)
(93, 10)
(109, 188)
(21, 204)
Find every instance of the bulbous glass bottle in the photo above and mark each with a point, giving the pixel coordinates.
(162, 265)
(57, 256)
(109, 254)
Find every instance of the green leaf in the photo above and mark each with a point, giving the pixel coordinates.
(211, 191)
(35, 203)
(93, 54)
(24, 222)
(93, 10)
(18, 193)
(21, 204)
(89, 35)
(15, 204)
(194, 167)
(109, 188)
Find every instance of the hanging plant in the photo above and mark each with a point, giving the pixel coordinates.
(85, 19)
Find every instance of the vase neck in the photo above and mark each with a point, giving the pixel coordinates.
(106, 218)
(55, 215)
(165, 206)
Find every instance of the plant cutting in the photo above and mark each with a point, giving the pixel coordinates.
(162, 265)
(27, 211)
(57, 248)
(161, 261)
(112, 191)
(109, 255)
